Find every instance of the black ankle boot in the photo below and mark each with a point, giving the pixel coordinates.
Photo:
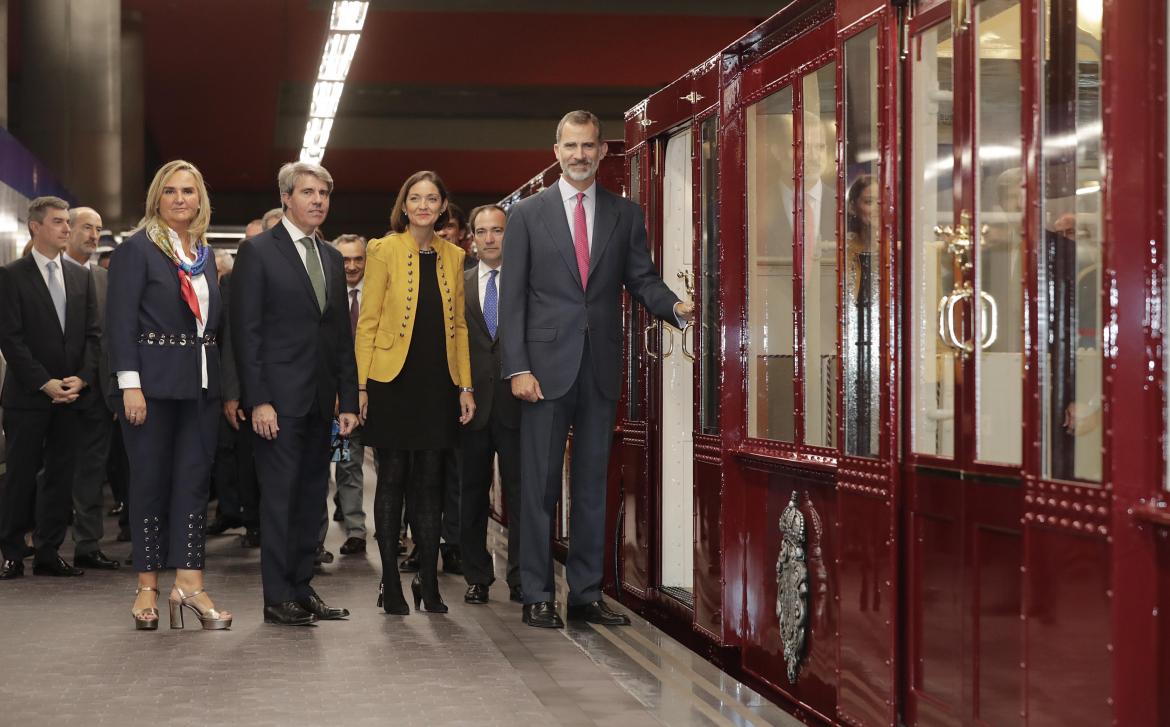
(428, 596)
(390, 598)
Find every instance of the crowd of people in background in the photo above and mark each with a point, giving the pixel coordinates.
(184, 375)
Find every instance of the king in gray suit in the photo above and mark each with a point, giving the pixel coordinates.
(569, 251)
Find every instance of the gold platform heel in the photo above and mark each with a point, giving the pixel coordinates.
(141, 622)
(212, 619)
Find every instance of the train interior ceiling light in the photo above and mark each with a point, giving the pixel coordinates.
(346, 20)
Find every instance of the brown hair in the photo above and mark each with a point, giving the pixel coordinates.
(480, 210)
(399, 222)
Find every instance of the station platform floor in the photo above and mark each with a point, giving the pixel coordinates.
(71, 656)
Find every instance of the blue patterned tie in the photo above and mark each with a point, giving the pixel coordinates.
(491, 299)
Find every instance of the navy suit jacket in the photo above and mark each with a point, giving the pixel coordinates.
(31, 338)
(493, 393)
(545, 315)
(144, 298)
(288, 352)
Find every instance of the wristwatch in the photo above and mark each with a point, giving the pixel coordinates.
(466, 389)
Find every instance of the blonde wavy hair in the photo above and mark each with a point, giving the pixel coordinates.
(202, 221)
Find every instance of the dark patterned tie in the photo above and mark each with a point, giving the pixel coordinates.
(353, 310)
(491, 299)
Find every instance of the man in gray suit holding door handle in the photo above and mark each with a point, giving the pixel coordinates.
(569, 251)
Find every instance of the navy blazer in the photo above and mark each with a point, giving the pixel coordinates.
(31, 338)
(144, 298)
(545, 315)
(288, 352)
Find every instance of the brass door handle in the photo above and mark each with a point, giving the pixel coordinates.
(990, 311)
(646, 340)
(690, 326)
(670, 339)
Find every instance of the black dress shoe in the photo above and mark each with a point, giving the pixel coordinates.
(57, 568)
(116, 510)
(251, 538)
(314, 605)
(11, 569)
(452, 561)
(542, 615)
(515, 594)
(323, 556)
(123, 535)
(223, 523)
(288, 613)
(597, 613)
(97, 560)
(353, 545)
(476, 593)
(409, 564)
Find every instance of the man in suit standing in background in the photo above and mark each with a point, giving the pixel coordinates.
(49, 333)
(295, 358)
(96, 417)
(495, 429)
(570, 250)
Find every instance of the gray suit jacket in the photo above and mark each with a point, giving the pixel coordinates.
(545, 315)
(101, 283)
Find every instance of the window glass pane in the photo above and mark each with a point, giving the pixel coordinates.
(634, 405)
(771, 363)
(931, 274)
(999, 306)
(708, 333)
(1070, 249)
(818, 204)
(861, 364)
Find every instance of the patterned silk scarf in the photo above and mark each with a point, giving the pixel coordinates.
(165, 239)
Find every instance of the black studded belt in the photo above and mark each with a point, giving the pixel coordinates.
(175, 339)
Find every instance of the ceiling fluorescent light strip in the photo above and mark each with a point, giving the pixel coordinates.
(346, 20)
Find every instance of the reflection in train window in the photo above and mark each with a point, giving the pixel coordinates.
(819, 238)
(1000, 203)
(1070, 242)
(633, 316)
(770, 179)
(931, 277)
(861, 362)
(709, 316)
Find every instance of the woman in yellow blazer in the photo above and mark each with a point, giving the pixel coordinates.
(414, 379)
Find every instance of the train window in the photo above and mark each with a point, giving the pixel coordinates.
(709, 253)
(634, 405)
(819, 187)
(932, 204)
(1070, 242)
(861, 361)
(771, 361)
(999, 193)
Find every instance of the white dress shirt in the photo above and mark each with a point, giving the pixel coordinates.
(349, 289)
(297, 235)
(569, 195)
(131, 379)
(485, 272)
(42, 261)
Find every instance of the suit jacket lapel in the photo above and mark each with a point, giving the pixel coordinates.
(42, 289)
(75, 298)
(287, 248)
(604, 221)
(558, 226)
(471, 290)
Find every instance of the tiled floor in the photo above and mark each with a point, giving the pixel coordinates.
(71, 657)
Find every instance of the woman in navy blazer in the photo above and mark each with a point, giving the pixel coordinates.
(162, 324)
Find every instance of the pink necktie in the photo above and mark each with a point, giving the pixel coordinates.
(581, 239)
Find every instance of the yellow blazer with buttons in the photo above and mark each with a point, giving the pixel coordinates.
(386, 318)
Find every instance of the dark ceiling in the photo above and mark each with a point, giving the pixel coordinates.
(471, 88)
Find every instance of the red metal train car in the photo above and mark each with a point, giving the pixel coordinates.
(908, 465)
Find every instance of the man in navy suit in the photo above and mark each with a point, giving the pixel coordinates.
(49, 331)
(570, 250)
(295, 359)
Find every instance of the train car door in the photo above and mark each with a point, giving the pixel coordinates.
(1003, 364)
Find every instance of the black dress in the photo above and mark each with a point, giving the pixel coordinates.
(419, 409)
